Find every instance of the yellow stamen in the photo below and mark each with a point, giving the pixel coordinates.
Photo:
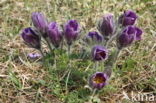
(99, 79)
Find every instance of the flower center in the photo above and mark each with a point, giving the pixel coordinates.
(99, 79)
(101, 54)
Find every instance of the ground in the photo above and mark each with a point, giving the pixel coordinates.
(27, 81)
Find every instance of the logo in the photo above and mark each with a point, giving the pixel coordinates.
(133, 96)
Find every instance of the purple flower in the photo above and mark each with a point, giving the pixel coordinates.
(55, 34)
(128, 35)
(128, 18)
(31, 38)
(95, 36)
(71, 31)
(98, 80)
(40, 22)
(107, 25)
(99, 53)
(138, 33)
(34, 55)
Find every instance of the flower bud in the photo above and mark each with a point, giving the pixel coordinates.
(31, 38)
(128, 35)
(98, 80)
(138, 33)
(71, 31)
(106, 25)
(55, 34)
(128, 18)
(95, 36)
(40, 22)
(34, 55)
(99, 53)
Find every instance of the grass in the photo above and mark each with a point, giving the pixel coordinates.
(26, 81)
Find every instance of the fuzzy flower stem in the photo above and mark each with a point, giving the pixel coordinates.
(106, 41)
(109, 40)
(68, 75)
(54, 53)
(61, 46)
(69, 51)
(41, 52)
(115, 56)
(111, 61)
(96, 66)
(94, 91)
(92, 96)
(46, 39)
(67, 79)
(116, 32)
(112, 37)
(69, 47)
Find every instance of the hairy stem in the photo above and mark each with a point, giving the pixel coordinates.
(69, 51)
(115, 34)
(61, 46)
(68, 75)
(67, 79)
(92, 96)
(54, 53)
(111, 61)
(46, 39)
(109, 40)
(41, 52)
(106, 41)
(94, 91)
(96, 66)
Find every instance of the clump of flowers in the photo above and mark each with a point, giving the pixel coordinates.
(123, 31)
(51, 32)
